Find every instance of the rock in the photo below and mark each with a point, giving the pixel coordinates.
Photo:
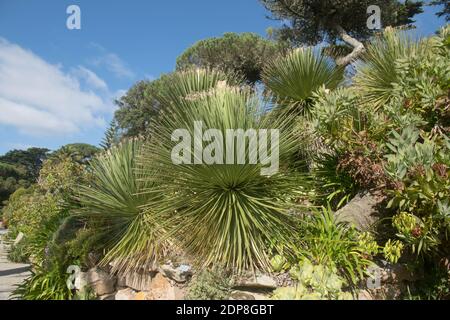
(259, 281)
(162, 289)
(180, 274)
(364, 295)
(111, 296)
(80, 281)
(138, 281)
(101, 282)
(362, 211)
(121, 282)
(388, 292)
(141, 296)
(392, 273)
(125, 294)
(93, 259)
(246, 295)
(400, 273)
(18, 239)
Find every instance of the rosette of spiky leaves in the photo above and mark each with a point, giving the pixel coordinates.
(111, 203)
(294, 78)
(224, 214)
(378, 72)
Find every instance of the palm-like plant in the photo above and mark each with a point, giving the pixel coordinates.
(112, 202)
(226, 214)
(294, 79)
(378, 73)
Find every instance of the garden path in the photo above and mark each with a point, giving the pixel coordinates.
(11, 274)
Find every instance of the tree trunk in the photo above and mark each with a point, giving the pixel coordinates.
(358, 47)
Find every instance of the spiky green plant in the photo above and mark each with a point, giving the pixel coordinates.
(224, 214)
(328, 242)
(378, 73)
(111, 204)
(293, 79)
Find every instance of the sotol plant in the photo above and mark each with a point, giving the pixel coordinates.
(223, 214)
(111, 204)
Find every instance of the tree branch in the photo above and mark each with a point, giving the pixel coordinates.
(358, 47)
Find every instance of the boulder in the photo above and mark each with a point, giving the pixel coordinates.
(180, 274)
(81, 281)
(365, 295)
(125, 294)
(362, 211)
(111, 296)
(162, 289)
(247, 295)
(393, 273)
(259, 281)
(141, 296)
(137, 281)
(18, 239)
(101, 282)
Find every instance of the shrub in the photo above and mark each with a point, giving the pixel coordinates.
(329, 243)
(223, 214)
(210, 285)
(295, 78)
(313, 282)
(116, 204)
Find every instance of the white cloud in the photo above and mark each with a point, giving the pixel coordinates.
(90, 77)
(39, 98)
(112, 63)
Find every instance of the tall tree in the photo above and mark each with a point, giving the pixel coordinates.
(31, 159)
(244, 54)
(313, 21)
(111, 136)
(139, 106)
(78, 152)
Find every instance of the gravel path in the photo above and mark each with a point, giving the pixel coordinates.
(11, 274)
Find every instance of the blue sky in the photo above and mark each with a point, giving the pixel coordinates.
(57, 85)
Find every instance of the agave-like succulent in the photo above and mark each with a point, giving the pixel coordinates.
(112, 202)
(294, 78)
(378, 72)
(226, 214)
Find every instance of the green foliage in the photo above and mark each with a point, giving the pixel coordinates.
(326, 242)
(78, 152)
(313, 282)
(31, 159)
(423, 83)
(210, 285)
(142, 104)
(61, 174)
(19, 169)
(138, 107)
(112, 204)
(45, 284)
(293, 79)
(378, 75)
(279, 263)
(223, 214)
(393, 251)
(334, 186)
(313, 21)
(111, 136)
(244, 54)
(28, 209)
(19, 253)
